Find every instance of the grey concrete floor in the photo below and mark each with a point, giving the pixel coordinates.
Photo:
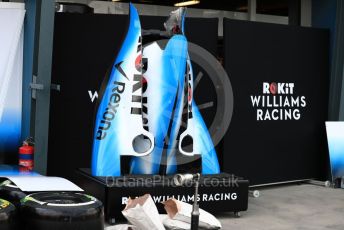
(292, 207)
(301, 207)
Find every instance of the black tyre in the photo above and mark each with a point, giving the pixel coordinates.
(8, 216)
(62, 210)
(11, 192)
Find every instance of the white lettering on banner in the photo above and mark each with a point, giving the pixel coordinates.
(266, 87)
(278, 88)
(227, 196)
(278, 102)
(157, 199)
(93, 96)
(255, 101)
(125, 200)
(187, 198)
(190, 198)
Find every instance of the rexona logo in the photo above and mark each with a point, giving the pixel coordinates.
(278, 102)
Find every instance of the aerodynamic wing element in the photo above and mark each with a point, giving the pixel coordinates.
(203, 144)
(119, 126)
(164, 68)
(190, 130)
(196, 133)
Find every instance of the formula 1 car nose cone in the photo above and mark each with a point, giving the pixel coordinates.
(119, 122)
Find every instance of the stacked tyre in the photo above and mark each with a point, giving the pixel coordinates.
(8, 215)
(62, 211)
(48, 210)
(11, 192)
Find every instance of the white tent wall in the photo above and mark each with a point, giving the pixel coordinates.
(11, 75)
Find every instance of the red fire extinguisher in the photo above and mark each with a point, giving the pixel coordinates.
(26, 154)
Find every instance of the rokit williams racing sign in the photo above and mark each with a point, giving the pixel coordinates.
(190, 198)
(278, 102)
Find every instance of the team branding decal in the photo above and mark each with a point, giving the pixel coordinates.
(211, 197)
(110, 111)
(278, 102)
(119, 88)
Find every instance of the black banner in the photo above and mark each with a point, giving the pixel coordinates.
(279, 75)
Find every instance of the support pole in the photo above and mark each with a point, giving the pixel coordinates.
(44, 62)
(294, 8)
(28, 63)
(338, 55)
(252, 10)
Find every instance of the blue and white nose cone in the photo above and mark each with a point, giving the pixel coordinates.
(119, 123)
(141, 111)
(163, 92)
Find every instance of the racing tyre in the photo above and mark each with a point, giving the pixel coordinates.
(8, 215)
(11, 192)
(62, 211)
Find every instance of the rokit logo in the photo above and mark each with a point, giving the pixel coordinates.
(278, 102)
